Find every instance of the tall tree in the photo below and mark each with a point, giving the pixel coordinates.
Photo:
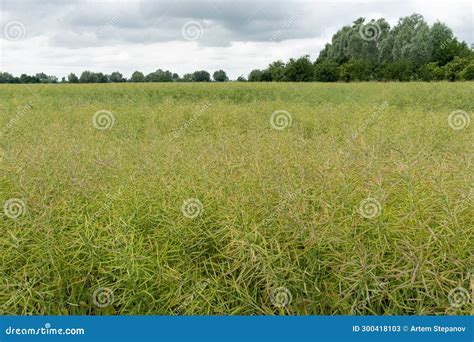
(255, 75)
(137, 76)
(160, 76)
(72, 78)
(201, 76)
(299, 70)
(116, 77)
(220, 76)
(88, 77)
(277, 71)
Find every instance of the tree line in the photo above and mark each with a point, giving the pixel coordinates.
(410, 51)
(117, 77)
(365, 51)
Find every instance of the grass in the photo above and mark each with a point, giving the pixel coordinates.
(106, 229)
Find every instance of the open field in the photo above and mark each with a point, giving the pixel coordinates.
(189, 199)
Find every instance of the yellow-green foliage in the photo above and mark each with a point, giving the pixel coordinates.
(280, 208)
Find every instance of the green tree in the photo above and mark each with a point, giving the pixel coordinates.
(51, 79)
(137, 76)
(358, 70)
(266, 76)
(5, 77)
(255, 76)
(72, 78)
(401, 70)
(454, 68)
(116, 77)
(24, 78)
(432, 72)
(159, 76)
(88, 77)
(299, 70)
(42, 77)
(277, 71)
(326, 71)
(102, 78)
(468, 73)
(201, 76)
(188, 78)
(220, 76)
(442, 39)
(412, 40)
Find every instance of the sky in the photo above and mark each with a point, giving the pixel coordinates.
(62, 36)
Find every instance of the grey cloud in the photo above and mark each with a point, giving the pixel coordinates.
(77, 24)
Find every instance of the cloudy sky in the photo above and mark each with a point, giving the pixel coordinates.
(62, 36)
